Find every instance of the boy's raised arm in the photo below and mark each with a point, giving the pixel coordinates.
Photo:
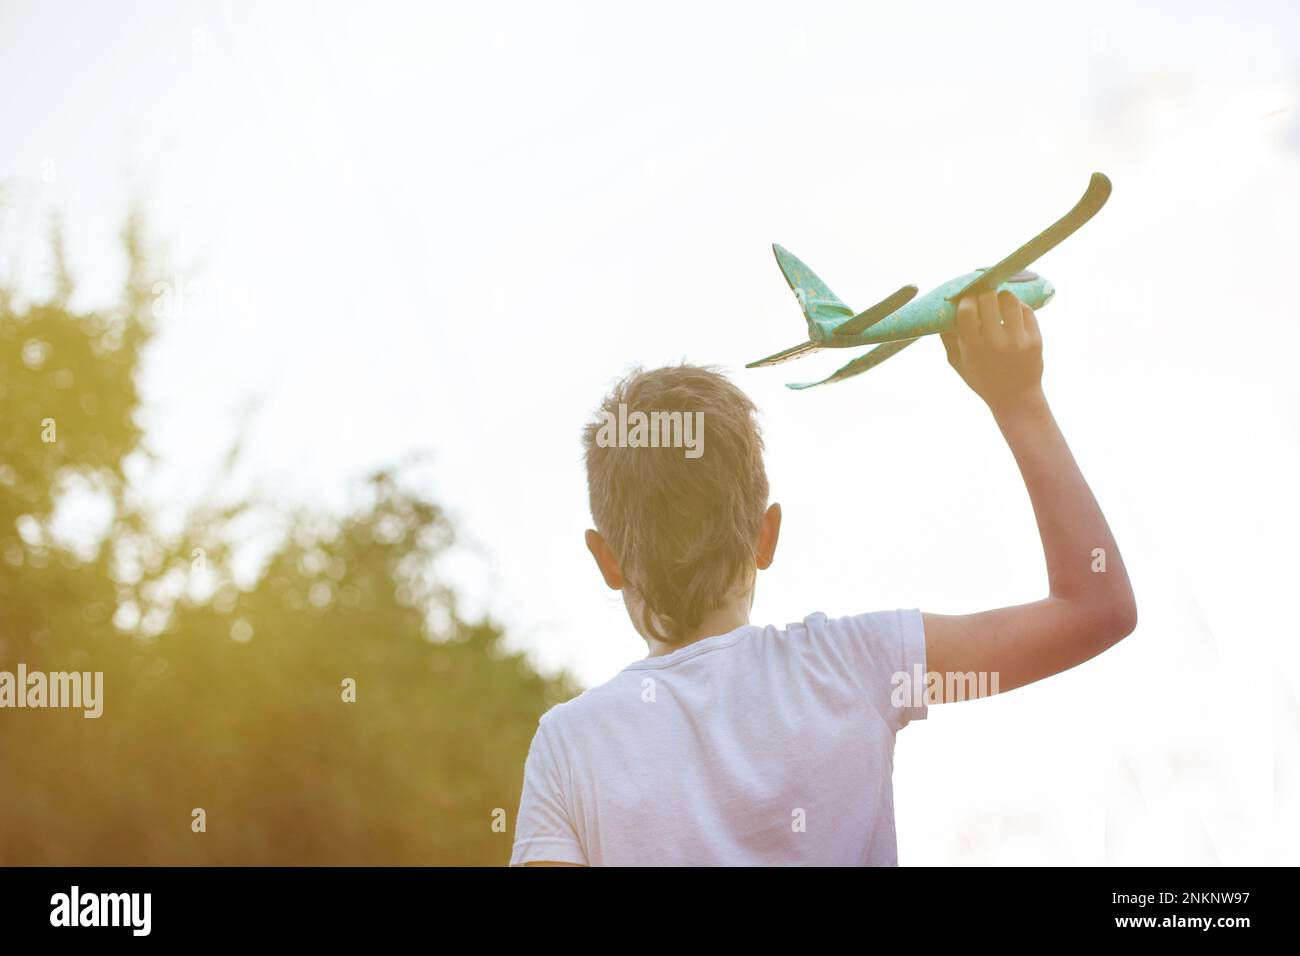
(997, 350)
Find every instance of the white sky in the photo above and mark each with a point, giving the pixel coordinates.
(449, 228)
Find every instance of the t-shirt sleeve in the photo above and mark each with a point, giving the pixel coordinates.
(544, 831)
(884, 652)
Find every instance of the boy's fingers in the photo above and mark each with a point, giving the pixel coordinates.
(1013, 318)
(968, 319)
(1031, 325)
(991, 319)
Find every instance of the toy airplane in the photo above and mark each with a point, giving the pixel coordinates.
(902, 319)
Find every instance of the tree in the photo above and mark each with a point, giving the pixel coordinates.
(339, 711)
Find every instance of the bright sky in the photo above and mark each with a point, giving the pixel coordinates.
(448, 228)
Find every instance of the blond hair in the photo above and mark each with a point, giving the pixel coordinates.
(682, 528)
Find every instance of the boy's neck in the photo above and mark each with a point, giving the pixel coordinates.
(724, 620)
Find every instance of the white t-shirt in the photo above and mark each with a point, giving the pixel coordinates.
(758, 747)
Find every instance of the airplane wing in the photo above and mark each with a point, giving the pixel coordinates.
(882, 309)
(861, 363)
(1088, 206)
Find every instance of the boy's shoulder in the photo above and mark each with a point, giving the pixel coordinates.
(813, 636)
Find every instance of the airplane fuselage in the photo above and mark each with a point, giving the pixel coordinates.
(926, 314)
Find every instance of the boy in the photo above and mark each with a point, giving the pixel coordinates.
(735, 744)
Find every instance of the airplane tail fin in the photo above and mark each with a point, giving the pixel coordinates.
(821, 307)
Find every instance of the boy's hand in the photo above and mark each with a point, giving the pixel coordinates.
(997, 349)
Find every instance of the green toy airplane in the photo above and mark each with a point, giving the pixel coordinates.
(898, 321)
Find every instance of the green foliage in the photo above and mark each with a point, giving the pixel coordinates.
(225, 698)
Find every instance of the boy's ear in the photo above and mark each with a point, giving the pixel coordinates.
(768, 533)
(605, 560)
